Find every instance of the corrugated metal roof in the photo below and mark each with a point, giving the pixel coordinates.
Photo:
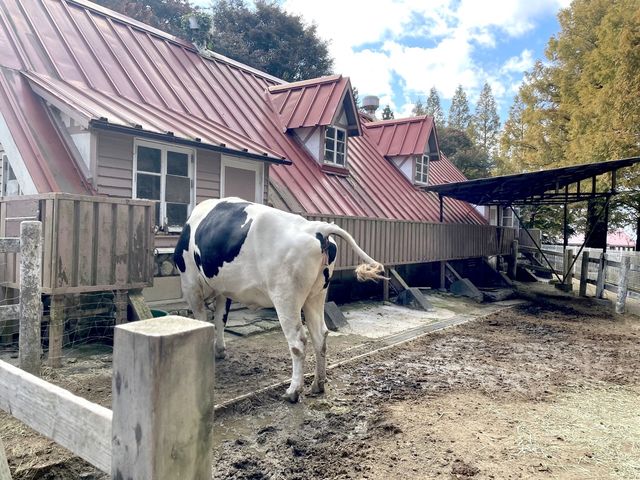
(90, 105)
(315, 102)
(44, 152)
(87, 47)
(404, 136)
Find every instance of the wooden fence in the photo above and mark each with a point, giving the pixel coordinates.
(89, 243)
(161, 423)
(401, 242)
(617, 272)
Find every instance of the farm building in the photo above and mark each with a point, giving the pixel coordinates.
(94, 103)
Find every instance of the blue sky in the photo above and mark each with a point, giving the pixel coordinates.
(399, 49)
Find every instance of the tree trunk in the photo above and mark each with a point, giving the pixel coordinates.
(596, 222)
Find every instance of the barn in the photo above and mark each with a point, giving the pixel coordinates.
(97, 105)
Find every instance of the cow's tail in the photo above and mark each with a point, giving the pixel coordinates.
(370, 270)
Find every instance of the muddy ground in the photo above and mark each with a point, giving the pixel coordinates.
(545, 390)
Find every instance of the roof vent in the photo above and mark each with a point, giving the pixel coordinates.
(370, 104)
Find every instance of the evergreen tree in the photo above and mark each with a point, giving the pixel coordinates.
(512, 141)
(387, 113)
(165, 15)
(472, 161)
(433, 107)
(418, 109)
(459, 116)
(486, 123)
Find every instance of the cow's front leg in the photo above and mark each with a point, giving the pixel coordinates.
(291, 323)
(219, 320)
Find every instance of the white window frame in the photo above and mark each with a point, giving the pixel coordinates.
(423, 161)
(255, 166)
(164, 148)
(335, 149)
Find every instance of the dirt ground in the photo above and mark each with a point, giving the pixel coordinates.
(545, 390)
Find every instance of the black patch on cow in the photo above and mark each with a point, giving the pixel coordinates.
(332, 251)
(326, 277)
(227, 307)
(220, 236)
(182, 246)
(322, 240)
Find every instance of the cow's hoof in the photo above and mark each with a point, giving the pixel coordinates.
(292, 397)
(317, 388)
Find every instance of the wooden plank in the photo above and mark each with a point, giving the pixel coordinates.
(9, 245)
(105, 248)
(65, 253)
(73, 422)
(85, 233)
(121, 242)
(623, 286)
(584, 273)
(48, 243)
(138, 239)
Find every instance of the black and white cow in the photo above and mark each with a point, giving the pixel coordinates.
(231, 249)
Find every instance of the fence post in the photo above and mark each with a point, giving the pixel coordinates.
(162, 399)
(584, 273)
(623, 284)
(602, 270)
(56, 330)
(513, 260)
(29, 345)
(568, 272)
(5, 473)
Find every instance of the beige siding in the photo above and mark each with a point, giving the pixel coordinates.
(115, 164)
(265, 199)
(207, 175)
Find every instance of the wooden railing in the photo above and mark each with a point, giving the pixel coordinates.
(401, 242)
(89, 243)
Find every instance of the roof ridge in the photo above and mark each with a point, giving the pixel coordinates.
(305, 83)
(381, 123)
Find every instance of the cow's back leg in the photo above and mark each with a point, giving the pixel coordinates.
(219, 321)
(291, 323)
(314, 319)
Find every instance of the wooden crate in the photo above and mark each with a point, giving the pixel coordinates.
(89, 243)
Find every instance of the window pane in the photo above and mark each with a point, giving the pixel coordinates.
(177, 189)
(176, 214)
(340, 147)
(340, 135)
(331, 132)
(328, 156)
(340, 158)
(177, 164)
(149, 159)
(148, 186)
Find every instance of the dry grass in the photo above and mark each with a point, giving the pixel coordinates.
(601, 423)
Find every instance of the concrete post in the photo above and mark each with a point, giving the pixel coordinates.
(30, 296)
(584, 273)
(120, 300)
(623, 284)
(162, 399)
(5, 473)
(568, 269)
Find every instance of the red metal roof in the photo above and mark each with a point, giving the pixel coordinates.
(82, 46)
(315, 102)
(90, 104)
(404, 136)
(44, 152)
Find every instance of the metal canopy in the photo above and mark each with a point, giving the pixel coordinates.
(549, 187)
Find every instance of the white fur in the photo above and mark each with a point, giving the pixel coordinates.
(280, 265)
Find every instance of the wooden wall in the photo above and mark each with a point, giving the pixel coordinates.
(90, 243)
(400, 242)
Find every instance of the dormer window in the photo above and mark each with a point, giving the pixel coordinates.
(422, 169)
(335, 146)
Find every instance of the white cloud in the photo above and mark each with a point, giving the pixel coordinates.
(424, 43)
